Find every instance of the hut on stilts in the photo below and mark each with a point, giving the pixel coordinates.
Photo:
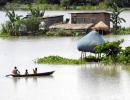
(89, 42)
(101, 27)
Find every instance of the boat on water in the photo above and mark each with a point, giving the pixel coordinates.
(32, 75)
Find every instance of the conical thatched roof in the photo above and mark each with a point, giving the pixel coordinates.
(89, 42)
(101, 26)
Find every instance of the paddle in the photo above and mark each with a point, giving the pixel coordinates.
(8, 75)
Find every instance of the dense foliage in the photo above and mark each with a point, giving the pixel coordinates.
(11, 27)
(120, 3)
(71, 2)
(58, 60)
(19, 25)
(109, 48)
(111, 52)
(125, 56)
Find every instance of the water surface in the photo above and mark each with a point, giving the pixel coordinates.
(91, 81)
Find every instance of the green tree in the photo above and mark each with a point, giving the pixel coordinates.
(65, 3)
(35, 12)
(120, 3)
(33, 20)
(111, 50)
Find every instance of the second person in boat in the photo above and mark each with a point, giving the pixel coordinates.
(35, 71)
(26, 72)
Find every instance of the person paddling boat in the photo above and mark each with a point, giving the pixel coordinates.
(15, 71)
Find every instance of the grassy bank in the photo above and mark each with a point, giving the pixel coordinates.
(59, 32)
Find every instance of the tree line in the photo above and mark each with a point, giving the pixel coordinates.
(120, 3)
(69, 2)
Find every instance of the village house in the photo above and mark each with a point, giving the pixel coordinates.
(51, 20)
(85, 21)
(90, 17)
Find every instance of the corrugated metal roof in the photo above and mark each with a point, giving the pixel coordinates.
(53, 16)
(90, 12)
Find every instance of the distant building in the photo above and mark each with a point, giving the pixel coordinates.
(50, 20)
(90, 17)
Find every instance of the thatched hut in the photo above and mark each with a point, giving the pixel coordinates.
(101, 27)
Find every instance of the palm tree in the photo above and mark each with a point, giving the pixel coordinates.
(115, 19)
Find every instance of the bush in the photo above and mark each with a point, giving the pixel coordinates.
(32, 23)
(124, 56)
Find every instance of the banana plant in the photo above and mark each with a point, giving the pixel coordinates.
(14, 19)
(115, 18)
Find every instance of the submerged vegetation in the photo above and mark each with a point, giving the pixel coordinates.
(58, 60)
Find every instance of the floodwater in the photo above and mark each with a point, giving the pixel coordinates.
(91, 81)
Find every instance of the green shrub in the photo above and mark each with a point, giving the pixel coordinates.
(32, 23)
(124, 56)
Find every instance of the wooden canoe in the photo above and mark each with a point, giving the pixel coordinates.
(32, 75)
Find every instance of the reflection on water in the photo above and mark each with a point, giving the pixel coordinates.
(101, 82)
(34, 79)
(99, 69)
